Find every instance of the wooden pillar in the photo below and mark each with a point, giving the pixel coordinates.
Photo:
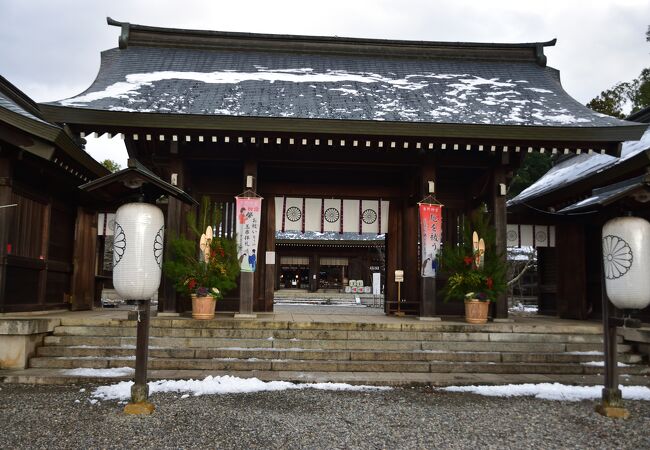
(427, 284)
(6, 220)
(314, 270)
(270, 256)
(44, 251)
(410, 261)
(247, 279)
(393, 248)
(500, 221)
(167, 296)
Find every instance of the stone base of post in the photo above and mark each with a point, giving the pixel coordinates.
(612, 405)
(139, 409)
(139, 404)
(613, 412)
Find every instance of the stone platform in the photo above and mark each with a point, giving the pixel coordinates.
(353, 348)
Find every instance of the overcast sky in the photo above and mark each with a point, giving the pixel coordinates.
(50, 48)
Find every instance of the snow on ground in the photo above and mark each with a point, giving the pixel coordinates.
(592, 352)
(221, 385)
(602, 364)
(552, 391)
(520, 307)
(113, 372)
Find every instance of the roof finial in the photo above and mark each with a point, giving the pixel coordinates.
(123, 40)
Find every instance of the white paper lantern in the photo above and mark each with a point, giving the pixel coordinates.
(137, 250)
(626, 253)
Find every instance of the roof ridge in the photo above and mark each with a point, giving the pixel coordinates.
(143, 35)
(20, 98)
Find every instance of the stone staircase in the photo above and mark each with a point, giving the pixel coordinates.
(399, 353)
(326, 297)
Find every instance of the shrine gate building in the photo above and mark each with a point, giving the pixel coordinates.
(340, 136)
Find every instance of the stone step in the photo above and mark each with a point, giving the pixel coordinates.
(356, 355)
(254, 364)
(396, 379)
(329, 334)
(330, 344)
(261, 324)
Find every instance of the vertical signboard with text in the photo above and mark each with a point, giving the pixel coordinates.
(248, 211)
(431, 237)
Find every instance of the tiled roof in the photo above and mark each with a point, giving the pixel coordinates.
(166, 79)
(9, 104)
(581, 167)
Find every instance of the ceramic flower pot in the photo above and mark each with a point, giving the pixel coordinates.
(203, 307)
(476, 311)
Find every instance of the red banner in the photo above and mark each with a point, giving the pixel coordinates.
(430, 237)
(248, 211)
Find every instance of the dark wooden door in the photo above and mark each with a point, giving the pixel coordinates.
(83, 275)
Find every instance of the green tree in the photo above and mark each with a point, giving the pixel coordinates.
(635, 93)
(610, 101)
(534, 166)
(111, 165)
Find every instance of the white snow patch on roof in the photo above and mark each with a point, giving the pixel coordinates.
(631, 148)
(552, 391)
(581, 166)
(559, 118)
(221, 385)
(134, 81)
(346, 91)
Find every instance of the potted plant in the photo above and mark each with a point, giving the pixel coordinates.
(204, 267)
(477, 273)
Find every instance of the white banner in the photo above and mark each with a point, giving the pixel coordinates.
(326, 215)
(332, 215)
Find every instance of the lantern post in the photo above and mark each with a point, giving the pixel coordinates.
(626, 263)
(137, 253)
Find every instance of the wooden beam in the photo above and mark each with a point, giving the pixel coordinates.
(393, 248)
(427, 284)
(6, 221)
(167, 296)
(500, 220)
(411, 265)
(270, 269)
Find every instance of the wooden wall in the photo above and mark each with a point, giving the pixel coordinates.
(40, 250)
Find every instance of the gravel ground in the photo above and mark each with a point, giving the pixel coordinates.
(51, 417)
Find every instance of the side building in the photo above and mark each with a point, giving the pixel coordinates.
(47, 229)
(574, 200)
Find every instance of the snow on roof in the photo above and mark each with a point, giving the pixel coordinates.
(580, 167)
(9, 104)
(328, 236)
(319, 86)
